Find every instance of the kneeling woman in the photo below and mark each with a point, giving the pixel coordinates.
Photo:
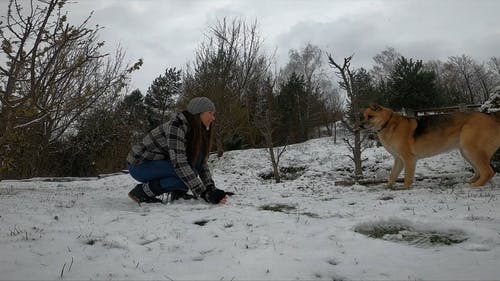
(172, 158)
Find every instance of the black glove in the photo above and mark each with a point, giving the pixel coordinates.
(214, 195)
(212, 187)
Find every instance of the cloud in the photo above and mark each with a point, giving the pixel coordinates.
(166, 33)
(422, 30)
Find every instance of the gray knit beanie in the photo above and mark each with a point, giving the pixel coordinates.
(200, 104)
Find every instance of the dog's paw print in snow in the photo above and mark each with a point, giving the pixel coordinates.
(334, 277)
(147, 239)
(202, 255)
(115, 242)
(203, 222)
(333, 261)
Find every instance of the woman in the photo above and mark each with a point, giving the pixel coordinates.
(172, 158)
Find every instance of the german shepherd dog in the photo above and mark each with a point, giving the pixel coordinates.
(475, 134)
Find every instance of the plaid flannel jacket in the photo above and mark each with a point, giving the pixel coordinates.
(168, 141)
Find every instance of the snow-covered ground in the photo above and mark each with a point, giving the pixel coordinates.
(305, 228)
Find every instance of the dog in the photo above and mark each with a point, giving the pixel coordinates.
(475, 134)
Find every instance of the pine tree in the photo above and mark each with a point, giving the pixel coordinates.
(411, 86)
(161, 96)
(291, 100)
(134, 114)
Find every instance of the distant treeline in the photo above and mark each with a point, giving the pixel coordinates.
(63, 111)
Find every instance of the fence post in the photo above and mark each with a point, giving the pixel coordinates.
(462, 107)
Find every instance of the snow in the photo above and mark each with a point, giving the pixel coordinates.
(89, 229)
(493, 103)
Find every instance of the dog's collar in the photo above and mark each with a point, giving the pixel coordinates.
(385, 124)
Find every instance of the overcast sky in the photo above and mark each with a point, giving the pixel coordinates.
(165, 33)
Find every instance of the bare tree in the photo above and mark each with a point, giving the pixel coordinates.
(384, 63)
(53, 72)
(494, 67)
(468, 81)
(463, 66)
(494, 64)
(226, 64)
(485, 80)
(346, 74)
(265, 120)
(307, 63)
(333, 113)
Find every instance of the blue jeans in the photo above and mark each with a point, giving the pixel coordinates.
(161, 170)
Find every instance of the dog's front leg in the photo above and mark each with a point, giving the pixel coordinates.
(410, 164)
(396, 170)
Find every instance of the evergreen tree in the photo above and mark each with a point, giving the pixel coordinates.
(134, 113)
(161, 96)
(364, 86)
(411, 86)
(292, 99)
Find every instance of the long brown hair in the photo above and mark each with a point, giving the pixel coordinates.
(198, 138)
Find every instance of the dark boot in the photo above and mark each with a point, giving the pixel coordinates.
(180, 194)
(142, 193)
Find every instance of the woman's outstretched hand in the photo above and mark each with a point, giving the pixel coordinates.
(223, 201)
(214, 196)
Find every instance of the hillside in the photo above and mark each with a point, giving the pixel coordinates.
(304, 228)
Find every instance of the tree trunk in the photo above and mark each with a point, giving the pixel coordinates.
(335, 132)
(358, 171)
(276, 171)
